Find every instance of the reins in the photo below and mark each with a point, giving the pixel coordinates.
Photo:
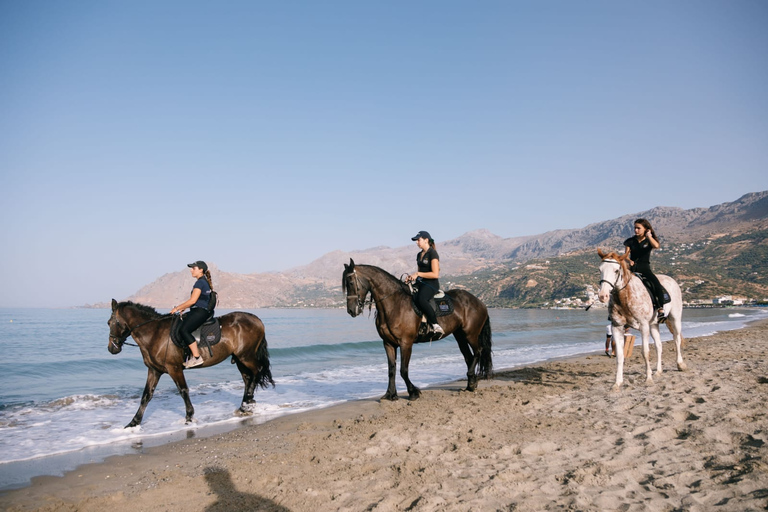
(613, 285)
(362, 303)
(130, 331)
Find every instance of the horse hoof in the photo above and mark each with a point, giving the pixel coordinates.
(243, 412)
(616, 388)
(415, 395)
(682, 367)
(390, 397)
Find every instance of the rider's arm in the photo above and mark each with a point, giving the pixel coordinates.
(191, 302)
(654, 243)
(434, 273)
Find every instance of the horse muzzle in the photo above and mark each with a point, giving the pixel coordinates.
(114, 347)
(354, 306)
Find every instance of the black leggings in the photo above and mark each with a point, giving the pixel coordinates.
(658, 290)
(192, 320)
(427, 289)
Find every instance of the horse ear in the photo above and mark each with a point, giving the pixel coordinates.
(351, 263)
(601, 254)
(114, 304)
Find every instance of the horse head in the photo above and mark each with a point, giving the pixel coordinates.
(118, 329)
(613, 273)
(355, 287)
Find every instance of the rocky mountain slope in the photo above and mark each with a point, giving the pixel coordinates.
(479, 258)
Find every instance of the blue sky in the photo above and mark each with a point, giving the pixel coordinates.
(138, 136)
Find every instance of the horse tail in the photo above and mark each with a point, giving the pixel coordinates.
(264, 375)
(485, 365)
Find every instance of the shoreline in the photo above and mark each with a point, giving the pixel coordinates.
(545, 433)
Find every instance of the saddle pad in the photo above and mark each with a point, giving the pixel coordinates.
(442, 306)
(208, 334)
(649, 286)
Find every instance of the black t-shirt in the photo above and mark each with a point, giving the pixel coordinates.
(639, 252)
(425, 263)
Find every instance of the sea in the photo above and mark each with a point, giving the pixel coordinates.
(64, 399)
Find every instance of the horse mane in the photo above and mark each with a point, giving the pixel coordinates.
(381, 271)
(142, 308)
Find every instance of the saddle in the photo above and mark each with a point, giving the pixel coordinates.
(442, 305)
(649, 286)
(207, 335)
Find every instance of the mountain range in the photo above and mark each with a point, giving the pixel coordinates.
(483, 262)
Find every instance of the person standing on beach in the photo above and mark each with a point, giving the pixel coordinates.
(428, 265)
(639, 248)
(198, 312)
(610, 345)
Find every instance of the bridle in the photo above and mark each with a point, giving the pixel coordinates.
(613, 285)
(121, 342)
(358, 285)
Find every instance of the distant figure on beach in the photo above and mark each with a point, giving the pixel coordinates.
(639, 248)
(198, 312)
(428, 265)
(610, 344)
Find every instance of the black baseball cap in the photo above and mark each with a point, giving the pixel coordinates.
(421, 234)
(199, 264)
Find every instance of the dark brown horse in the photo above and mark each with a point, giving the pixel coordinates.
(398, 324)
(242, 337)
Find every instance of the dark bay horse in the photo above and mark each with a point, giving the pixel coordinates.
(242, 337)
(398, 324)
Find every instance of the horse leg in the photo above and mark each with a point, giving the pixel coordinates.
(181, 384)
(645, 332)
(469, 358)
(149, 389)
(405, 359)
(657, 341)
(249, 381)
(391, 393)
(674, 324)
(618, 337)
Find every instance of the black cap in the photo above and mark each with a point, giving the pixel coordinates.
(199, 264)
(421, 234)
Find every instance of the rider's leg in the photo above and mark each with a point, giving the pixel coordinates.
(194, 319)
(422, 299)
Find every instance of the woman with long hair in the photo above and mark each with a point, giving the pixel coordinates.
(198, 304)
(639, 248)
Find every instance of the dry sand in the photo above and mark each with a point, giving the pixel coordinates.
(545, 437)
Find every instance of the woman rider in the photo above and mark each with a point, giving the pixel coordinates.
(427, 274)
(639, 248)
(198, 312)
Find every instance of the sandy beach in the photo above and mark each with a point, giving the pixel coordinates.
(551, 436)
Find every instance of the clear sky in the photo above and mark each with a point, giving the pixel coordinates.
(138, 136)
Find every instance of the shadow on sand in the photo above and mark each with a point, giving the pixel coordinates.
(230, 499)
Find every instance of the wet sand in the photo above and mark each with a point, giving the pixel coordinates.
(549, 436)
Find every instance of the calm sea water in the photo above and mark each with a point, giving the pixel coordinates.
(64, 399)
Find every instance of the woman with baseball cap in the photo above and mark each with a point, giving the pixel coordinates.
(198, 309)
(428, 265)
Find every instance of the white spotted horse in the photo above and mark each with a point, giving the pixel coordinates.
(630, 304)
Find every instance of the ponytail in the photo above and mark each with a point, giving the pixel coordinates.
(208, 278)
